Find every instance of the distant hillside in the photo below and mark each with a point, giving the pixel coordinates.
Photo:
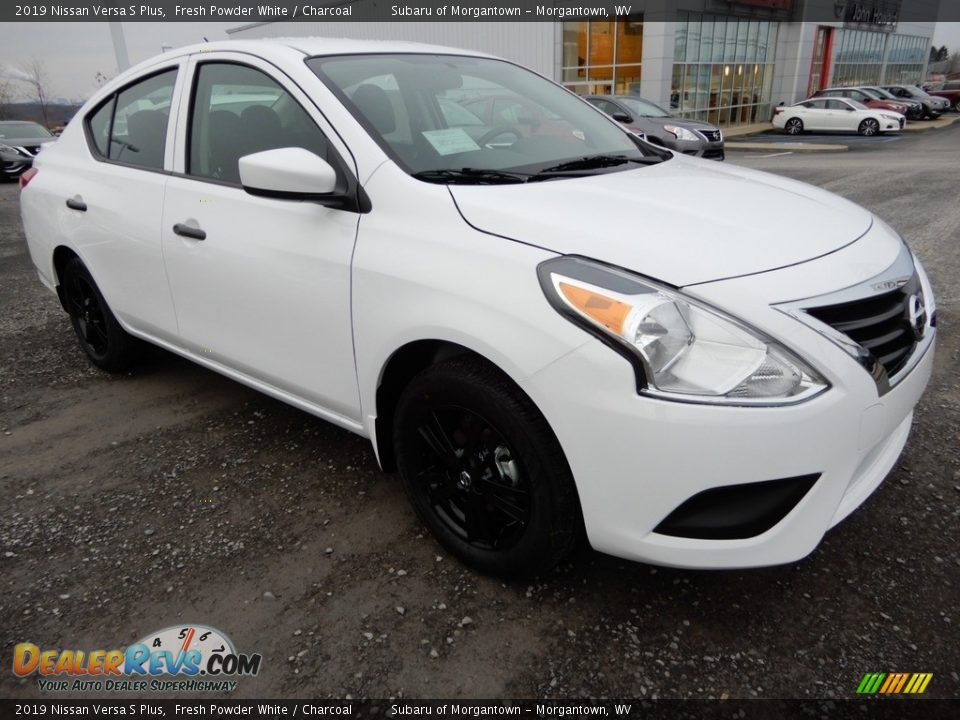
(56, 114)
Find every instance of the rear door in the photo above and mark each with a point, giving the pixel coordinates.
(113, 204)
(261, 285)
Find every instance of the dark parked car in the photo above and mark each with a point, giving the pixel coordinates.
(20, 141)
(932, 106)
(690, 137)
(915, 109)
(871, 101)
(949, 90)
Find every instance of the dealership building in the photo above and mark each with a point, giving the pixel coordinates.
(724, 61)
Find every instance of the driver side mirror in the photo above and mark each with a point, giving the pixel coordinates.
(289, 173)
(622, 117)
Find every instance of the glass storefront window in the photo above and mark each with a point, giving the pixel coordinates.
(724, 72)
(858, 58)
(602, 58)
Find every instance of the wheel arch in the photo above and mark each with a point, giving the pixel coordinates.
(61, 256)
(401, 367)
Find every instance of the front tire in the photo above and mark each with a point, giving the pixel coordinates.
(869, 127)
(108, 345)
(956, 106)
(484, 471)
(793, 126)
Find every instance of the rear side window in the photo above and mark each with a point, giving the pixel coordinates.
(238, 110)
(131, 126)
(100, 126)
(139, 134)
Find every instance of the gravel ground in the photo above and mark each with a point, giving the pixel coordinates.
(173, 495)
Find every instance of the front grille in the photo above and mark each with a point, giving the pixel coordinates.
(711, 135)
(881, 324)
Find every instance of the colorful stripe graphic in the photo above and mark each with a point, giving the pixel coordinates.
(894, 683)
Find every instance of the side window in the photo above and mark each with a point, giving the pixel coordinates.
(237, 111)
(836, 105)
(99, 124)
(607, 107)
(139, 130)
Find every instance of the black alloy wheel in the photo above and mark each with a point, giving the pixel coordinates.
(104, 341)
(793, 126)
(484, 471)
(87, 315)
(472, 478)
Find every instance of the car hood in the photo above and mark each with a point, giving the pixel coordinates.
(679, 122)
(30, 142)
(682, 221)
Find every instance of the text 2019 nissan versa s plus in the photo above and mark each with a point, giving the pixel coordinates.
(545, 330)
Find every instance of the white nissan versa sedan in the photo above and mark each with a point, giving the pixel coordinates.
(546, 326)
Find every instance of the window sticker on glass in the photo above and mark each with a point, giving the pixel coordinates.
(450, 141)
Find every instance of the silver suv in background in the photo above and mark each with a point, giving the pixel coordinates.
(933, 107)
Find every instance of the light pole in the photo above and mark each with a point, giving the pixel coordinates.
(119, 46)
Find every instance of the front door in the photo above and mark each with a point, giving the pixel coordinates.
(260, 285)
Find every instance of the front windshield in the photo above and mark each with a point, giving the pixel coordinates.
(23, 130)
(643, 108)
(871, 93)
(449, 113)
(857, 104)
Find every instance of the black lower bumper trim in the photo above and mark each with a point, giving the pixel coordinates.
(734, 512)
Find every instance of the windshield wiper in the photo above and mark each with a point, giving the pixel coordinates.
(471, 175)
(591, 162)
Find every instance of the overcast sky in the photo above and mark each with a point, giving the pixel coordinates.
(74, 53)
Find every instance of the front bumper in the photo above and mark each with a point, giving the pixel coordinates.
(637, 459)
(14, 163)
(696, 148)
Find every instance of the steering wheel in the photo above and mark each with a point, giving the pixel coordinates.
(495, 132)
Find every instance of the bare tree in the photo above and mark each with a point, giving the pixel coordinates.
(6, 97)
(954, 65)
(35, 75)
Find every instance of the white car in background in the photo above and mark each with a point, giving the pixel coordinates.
(836, 115)
(693, 390)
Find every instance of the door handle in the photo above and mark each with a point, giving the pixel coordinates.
(189, 232)
(77, 203)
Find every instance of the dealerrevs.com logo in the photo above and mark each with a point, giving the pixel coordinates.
(187, 658)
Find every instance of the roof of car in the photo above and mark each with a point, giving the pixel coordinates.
(325, 46)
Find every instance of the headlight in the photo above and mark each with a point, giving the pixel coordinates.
(680, 348)
(680, 133)
(8, 149)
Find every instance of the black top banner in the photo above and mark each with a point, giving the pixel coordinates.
(861, 13)
(466, 709)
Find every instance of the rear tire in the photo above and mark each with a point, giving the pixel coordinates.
(484, 471)
(793, 126)
(108, 345)
(869, 127)
(956, 106)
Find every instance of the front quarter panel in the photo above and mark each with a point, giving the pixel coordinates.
(421, 273)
